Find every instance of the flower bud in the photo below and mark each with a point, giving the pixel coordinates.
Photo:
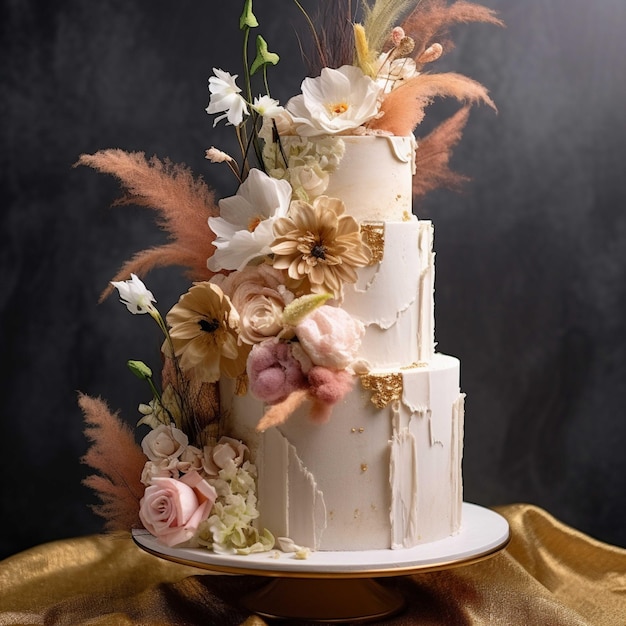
(263, 56)
(247, 19)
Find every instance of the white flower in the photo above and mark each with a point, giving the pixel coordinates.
(339, 100)
(217, 156)
(244, 230)
(225, 97)
(135, 295)
(391, 74)
(267, 107)
(281, 121)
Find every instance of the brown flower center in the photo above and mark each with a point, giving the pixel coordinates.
(209, 326)
(319, 251)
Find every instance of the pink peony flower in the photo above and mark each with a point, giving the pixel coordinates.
(172, 509)
(330, 336)
(273, 372)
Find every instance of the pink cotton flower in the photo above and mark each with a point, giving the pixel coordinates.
(273, 372)
(326, 388)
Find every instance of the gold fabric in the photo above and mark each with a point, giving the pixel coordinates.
(550, 574)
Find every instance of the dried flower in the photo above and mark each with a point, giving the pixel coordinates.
(321, 243)
(204, 334)
(217, 156)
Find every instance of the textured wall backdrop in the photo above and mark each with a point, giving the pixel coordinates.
(531, 257)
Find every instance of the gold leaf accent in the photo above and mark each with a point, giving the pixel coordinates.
(241, 385)
(386, 387)
(373, 234)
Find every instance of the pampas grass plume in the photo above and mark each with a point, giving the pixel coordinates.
(182, 202)
(403, 108)
(119, 461)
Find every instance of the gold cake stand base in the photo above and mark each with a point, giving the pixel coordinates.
(332, 601)
(340, 587)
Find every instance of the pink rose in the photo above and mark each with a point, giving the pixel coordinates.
(330, 336)
(164, 442)
(172, 509)
(226, 450)
(273, 372)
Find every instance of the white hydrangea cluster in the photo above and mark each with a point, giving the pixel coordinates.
(305, 164)
(229, 529)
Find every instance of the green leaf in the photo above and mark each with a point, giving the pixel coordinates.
(263, 55)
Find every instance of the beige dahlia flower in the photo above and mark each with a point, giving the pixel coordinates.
(203, 329)
(319, 242)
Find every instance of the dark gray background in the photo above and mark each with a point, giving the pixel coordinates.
(531, 257)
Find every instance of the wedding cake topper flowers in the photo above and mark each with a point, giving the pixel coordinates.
(268, 262)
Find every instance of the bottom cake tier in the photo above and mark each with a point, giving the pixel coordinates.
(383, 472)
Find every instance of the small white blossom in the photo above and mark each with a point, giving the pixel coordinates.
(135, 295)
(217, 156)
(267, 107)
(225, 97)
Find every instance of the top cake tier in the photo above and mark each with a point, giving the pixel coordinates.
(374, 175)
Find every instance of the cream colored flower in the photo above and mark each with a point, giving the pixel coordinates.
(203, 328)
(218, 156)
(319, 242)
(259, 295)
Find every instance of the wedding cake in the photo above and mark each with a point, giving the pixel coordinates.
(302, 404)
(385, 470)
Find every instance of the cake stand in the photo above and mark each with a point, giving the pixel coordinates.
(340, 587)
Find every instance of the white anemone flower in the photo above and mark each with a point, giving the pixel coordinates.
(267, 107)
(135, 295)
(244, 230)
(225, 96)
(339, 100)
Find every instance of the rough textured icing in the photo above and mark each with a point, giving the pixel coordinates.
(397, 306)
(385, 470)
(356, 490)
(389, 159)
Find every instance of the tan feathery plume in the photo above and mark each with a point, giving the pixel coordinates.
(381, 17)
(183, 203)
(119, 461)
(431, 20)
(403, 109)
(433, 156)
(278, 413)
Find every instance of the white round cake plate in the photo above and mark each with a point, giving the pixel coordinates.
(338, 587)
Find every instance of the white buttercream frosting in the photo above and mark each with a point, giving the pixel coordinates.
(385, 470)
